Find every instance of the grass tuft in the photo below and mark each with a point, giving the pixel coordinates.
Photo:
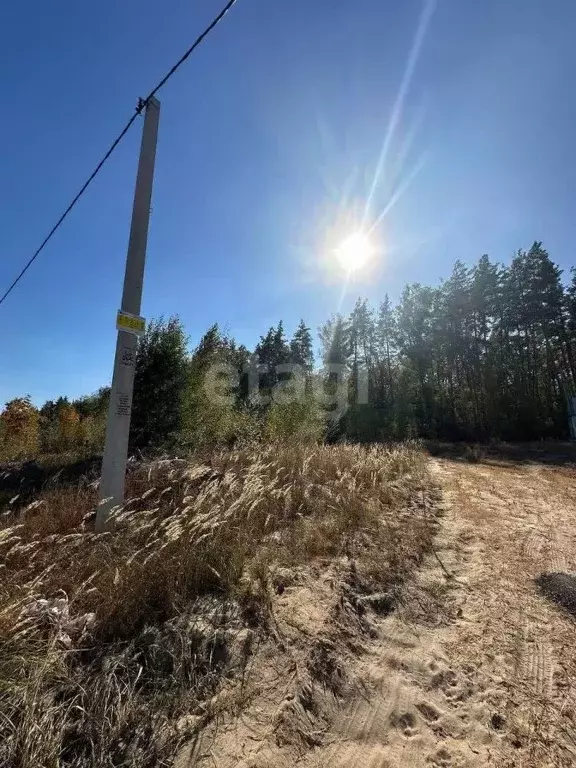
(108, 640)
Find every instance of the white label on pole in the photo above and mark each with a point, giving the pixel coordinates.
(128, 357)
(131, 323)
(123, 404)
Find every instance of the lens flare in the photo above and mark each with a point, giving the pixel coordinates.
(354, 252)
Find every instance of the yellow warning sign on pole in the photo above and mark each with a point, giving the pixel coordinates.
(131, 323)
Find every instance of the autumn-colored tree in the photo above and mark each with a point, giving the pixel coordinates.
(19, 428)
(92, 431)
(69, 431)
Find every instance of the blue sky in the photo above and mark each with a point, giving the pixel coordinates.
(269, 135)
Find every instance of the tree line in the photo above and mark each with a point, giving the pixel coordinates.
(489, 353)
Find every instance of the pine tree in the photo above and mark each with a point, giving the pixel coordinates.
(159, 385)
(570, 326)
(301, 347)
(336, 352)
(487, 310)
(383, 378)
(272, 351)
(417, 322)
(335, 340)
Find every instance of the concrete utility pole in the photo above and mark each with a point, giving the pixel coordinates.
(130, 325)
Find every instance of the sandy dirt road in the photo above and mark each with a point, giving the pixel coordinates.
(476, 668)
(494, 683)
(515, 522)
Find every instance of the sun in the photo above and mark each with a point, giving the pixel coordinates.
(354, 252)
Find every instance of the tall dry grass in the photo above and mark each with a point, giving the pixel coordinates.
(137, 625)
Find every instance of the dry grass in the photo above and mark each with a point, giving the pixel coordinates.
(140, 624)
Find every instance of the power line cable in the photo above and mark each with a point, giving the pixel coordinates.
(141, 105)
(190, 50)
(72, 204)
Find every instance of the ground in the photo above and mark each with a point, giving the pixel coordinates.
(475, 666)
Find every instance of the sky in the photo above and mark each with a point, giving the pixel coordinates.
(455, 119)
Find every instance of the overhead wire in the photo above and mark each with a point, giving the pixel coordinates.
(142, 103)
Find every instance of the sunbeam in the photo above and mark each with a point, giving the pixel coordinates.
(423, 24)
(399, 191)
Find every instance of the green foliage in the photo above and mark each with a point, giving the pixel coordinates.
(162, 371)
(272, 351)
(301, 347)
(299, 420)
(95, 405)
(213, 412)
(335, 340)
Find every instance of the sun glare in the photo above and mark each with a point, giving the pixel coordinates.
(354, 252)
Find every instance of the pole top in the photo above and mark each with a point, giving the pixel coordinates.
(143, 103)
